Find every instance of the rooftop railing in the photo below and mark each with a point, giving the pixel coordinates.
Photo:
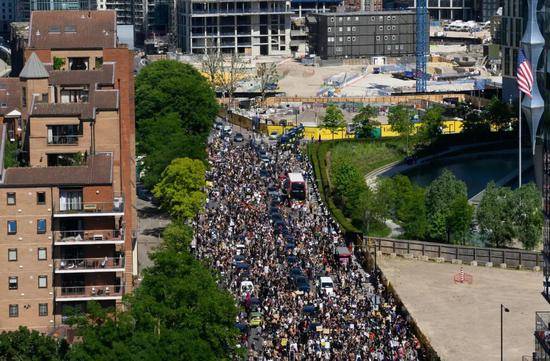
(81, 264)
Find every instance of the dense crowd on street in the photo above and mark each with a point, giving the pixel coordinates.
(260, 258)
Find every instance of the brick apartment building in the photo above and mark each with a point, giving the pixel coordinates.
(67, 217)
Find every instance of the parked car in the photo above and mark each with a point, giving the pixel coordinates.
(238, 138)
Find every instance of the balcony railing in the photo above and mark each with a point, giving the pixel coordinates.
(84, 264)
(88, 236)
(63, 140)
(96, 291)
(72, 206)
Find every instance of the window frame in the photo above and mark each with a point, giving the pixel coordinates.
(43, 277)
(12, 221)
(10, 250)
(16, 308)
(38, 229)
(37, 199)
(40, 313)
(10, 278)
(45, 253)
(8, 197)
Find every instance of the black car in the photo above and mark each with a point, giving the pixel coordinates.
(238, 138)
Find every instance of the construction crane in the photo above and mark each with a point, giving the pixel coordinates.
(422, 36)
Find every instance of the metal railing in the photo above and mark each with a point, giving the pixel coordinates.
(88, 235)
(73, 264)
(72, 206)
(512, 257)
(89, 291)
(63, 139)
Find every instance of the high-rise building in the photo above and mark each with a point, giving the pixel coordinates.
(67, 224)
(7, 9)
(512, 25)
(252, 28)
(128, 12)
(63, 5)
(448, 9)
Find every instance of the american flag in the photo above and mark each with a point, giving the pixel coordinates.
(524, 74)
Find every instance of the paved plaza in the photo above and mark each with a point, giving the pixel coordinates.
(463, 321)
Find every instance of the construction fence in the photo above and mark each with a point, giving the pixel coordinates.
(512, 258)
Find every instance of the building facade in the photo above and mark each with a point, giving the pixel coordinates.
(67, 224)
(63, 5)
(128, 12)
(362, 34)
(245, 27)
(449, 9)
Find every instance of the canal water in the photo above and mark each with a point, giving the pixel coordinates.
(475, 171)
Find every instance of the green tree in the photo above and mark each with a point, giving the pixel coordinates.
(412, 213)
(443, 197)
(168, 86)
(474, 123)
(400, 119)
(494, 215)
(333, 120)
(348, 185)
(162, 140)
(527, 215)
(180, 190)
(365, 121)
(459, 220)
(266, 74)
(498, 114)
(432, 122)
(26, 345)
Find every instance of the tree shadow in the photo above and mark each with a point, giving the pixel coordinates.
(151, 212)
(156, 232)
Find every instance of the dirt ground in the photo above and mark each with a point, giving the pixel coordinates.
(463, 321)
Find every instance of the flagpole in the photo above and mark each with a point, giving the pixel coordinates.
(519, 155)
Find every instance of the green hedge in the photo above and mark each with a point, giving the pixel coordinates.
(317, 153)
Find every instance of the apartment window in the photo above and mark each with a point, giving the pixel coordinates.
(41, 226)
(14, 310)
(393, 37)
(388, 27)
(42, 281)
(348, 28)
(393, 18)
(348, 38)
(393, 27)
(340, 19)
(332, 19)
(54, 29)
(353, 38)
(381, 18)
(385, 37)
(330, 39)
(380, 28)
(353, 28)
(329, 29)
(11, 198)
(70, 29)
(12, 227)
(340, 39)
(357, 18)
(340, 29)
(42, 254)
(388, 18)
(40, 197)
(377, 37)
(42, 309)
(372, 18)
(12, 254)
(348, 18)
(13, 282)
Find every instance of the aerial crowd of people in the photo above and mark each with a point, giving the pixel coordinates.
(276, 255)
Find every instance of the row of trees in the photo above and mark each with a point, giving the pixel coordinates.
(441, 212)
(175, 110)
(402, 119)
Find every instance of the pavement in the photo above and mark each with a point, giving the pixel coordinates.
(462, 321)
(152, 222)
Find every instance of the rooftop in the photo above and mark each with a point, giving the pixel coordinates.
(72, 30)
(98, 170)
(34, 69)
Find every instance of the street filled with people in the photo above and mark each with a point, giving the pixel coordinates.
(269, 235)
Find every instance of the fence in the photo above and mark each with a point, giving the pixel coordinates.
(395, 99)
(511, 257)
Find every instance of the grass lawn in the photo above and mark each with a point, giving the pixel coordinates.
(366, 156)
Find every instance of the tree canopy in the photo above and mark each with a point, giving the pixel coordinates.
(180, 189)
(505, 215)
(168, 86)
(26, 345)
(400, 119)
(333, 119)
(365, 121)
(449, 215)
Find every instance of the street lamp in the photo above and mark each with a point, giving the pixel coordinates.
(502, 310)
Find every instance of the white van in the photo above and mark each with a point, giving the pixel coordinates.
(246, 287)
(326, 286)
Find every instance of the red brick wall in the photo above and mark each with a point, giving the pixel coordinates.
(124, 82)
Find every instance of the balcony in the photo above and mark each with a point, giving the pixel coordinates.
(63, 140)
(76, 208)
(88, 293)
(89, 265)
(85, 237)
(542, 333)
